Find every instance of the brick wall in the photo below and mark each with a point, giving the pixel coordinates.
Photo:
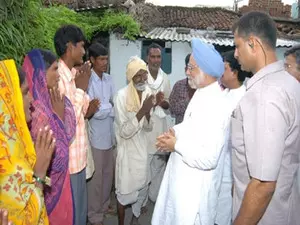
(276, 7)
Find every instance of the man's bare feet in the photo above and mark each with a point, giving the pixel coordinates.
(134, 221)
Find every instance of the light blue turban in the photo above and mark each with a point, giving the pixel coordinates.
(207, 58)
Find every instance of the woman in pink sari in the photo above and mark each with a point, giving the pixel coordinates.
(51, 108)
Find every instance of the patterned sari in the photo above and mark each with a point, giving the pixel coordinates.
(18, 193)
(58, 197)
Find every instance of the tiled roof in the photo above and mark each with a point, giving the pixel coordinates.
(197, 18)
(211, 37)
(203, 18)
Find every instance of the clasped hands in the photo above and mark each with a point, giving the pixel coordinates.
(166, 142)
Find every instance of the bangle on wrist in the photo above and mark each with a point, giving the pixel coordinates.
(45, 181)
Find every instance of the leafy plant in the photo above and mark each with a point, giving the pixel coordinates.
(111, 21)
(26, 24)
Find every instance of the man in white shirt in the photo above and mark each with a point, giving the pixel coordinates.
(232, 79)
(133, 104)
(101, 135)
(159, 84)
(191, 183)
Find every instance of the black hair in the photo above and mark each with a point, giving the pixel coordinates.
(153, 46)
(258, 24)
(187, 59)
(235, 66)
(49, 57)
(66, 34)
(96, 49)
(22, 75)
(295, 51)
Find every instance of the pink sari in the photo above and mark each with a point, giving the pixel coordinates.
(58, 197)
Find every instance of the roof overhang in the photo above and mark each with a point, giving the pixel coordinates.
(222, 38)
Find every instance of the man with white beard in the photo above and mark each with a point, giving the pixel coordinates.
(133, 104)
(191, 183)
(181, 95)
(232, 80)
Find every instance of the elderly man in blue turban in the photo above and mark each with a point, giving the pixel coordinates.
(191, 184)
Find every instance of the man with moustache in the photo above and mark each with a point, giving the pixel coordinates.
(159, 85)
(191, 183)
(101, 135)
(133, 104)
(232, 79)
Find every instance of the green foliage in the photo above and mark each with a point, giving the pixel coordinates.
(26, 24)
(111, 21)
(11, 9)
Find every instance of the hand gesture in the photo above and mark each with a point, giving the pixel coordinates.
(148, 104)
(83, 76)
(160, 96)
(93, 107)
(166, 142)
(58, 102)
(44, 148)
(4, 217)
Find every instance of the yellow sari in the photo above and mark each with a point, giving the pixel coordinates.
(18, 193)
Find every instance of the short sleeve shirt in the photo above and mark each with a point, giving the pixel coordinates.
(266, 142)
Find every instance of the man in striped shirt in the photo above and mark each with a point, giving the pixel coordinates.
(69, 44)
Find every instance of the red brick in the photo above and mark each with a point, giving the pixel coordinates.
(276, 7)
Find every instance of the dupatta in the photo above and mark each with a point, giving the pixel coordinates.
(18, 193)
(63, 131)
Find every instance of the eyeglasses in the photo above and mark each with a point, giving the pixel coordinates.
(191, 67)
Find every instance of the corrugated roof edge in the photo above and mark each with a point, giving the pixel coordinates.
(170, 34)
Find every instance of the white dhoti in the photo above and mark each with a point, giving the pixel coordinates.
(137, 200)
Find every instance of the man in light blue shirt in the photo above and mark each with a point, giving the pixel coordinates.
(101, 134)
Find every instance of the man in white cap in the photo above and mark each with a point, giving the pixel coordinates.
(191, 184)
(132, 121)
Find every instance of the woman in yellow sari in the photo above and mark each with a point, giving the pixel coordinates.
(23, 166)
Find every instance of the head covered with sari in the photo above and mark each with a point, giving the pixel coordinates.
(135, 64)
(18, 192)
(43, 115)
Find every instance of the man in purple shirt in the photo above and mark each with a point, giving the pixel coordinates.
(181, 95)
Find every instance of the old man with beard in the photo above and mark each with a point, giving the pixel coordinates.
(132, 121)
(190, 187)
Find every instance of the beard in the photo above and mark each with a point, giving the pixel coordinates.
(191, 83)
(140, 86)
(197, 81)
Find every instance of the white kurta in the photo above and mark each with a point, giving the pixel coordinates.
(160, 119)
(159, 115)
(224, 210)
(132, 166)
(190, 187)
